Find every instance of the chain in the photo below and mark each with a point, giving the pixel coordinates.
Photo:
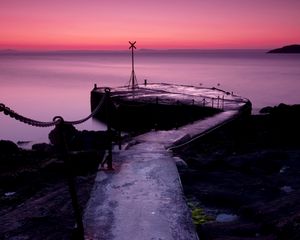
(107, 91)
(56, 120)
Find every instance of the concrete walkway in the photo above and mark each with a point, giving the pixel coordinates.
(143, 198)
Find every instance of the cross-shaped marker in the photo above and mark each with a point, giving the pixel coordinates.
(132, 45)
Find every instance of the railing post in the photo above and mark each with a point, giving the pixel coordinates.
(193, 112)
(119, 128)
(177, 114)
(223, 103)
(156, 111)
(63, 148)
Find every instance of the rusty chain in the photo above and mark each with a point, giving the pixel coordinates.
(56, 120)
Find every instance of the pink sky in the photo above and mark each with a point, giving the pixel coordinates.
(96, 24)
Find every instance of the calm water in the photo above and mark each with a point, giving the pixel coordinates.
(44, 85)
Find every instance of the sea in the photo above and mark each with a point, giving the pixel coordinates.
(42, 85)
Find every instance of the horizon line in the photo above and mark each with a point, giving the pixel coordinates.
(125, 50)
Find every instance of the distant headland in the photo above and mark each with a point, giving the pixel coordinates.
(286, 49)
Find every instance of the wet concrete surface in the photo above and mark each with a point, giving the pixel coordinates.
(173, 94)
(141, 199)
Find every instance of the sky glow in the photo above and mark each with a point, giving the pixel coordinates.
(159, 24)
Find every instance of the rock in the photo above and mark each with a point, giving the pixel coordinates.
(224, 217)
(266, 110)
(286, 189)
(8, 147)
(42, 147)
(9, 194)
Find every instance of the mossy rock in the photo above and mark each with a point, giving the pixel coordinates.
(199, 217)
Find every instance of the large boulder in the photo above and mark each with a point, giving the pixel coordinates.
(8, 147)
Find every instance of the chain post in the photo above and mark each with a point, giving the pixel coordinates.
(119, 132)
(109, 131)
(223, 103)
(177, 114)
(61, 125)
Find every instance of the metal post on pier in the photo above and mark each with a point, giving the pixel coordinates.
(156, 111)
(109, 131)
(223, 102)
(119, 117)
(132, 81)
(176, 112)
(63, 149)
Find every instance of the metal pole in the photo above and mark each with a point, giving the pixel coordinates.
(70, 180)
(132, 59)
(109, 132)
(132, 66)
(156, 114)
(176, 117)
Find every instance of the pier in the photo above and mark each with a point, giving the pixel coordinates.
(162, 106)
(142, 198)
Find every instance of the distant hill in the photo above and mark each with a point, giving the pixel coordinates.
(287, 49)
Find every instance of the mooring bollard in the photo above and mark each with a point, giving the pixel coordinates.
(62, 145)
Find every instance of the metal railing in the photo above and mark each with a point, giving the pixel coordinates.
(61, 144)
(165, 97)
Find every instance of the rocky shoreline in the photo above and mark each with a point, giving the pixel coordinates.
(241, 181)
(35, 202)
